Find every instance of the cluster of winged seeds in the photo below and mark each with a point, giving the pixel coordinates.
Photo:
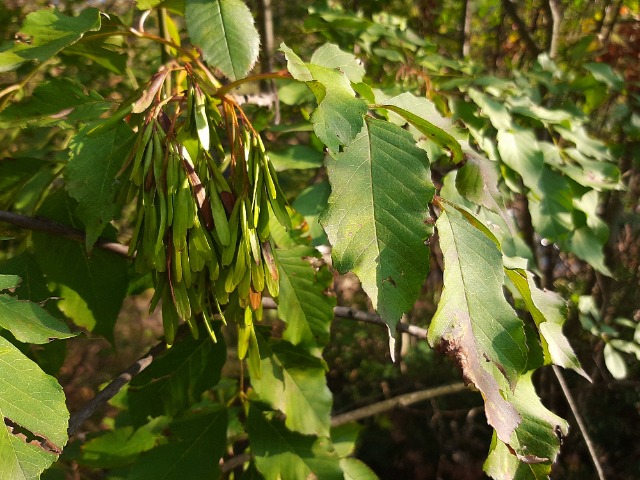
(205, 192)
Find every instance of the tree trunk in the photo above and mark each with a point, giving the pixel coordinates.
(466, 28)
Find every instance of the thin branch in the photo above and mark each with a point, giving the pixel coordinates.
(107, 393)
(511, 10)
(49, 226)
(581, 425)
(395, 402)
(368, 411)
(359, 315)
(253, 78)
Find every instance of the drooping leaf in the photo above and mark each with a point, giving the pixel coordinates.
(603, 73)
(546, 308)
(32, 285)
(95, 159)
(614, 361)
(9, 281)
(224, 31)
(29, 322)
(310, 203)
(178, 378)
(423, 115)
(122, 446)
(44, 33)
(280, 453)
(15, 173)
(293, 381)
(59, 101)
(296, 157)
(474, 323)
(492, 108)
(534, 445)
(91, 289)
(30, 402)
(339, 116)
(381, 189)
(355, 469)
(195, 444)
(302, 304)
(330, 56)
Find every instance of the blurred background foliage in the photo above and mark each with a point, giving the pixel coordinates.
(578, 57)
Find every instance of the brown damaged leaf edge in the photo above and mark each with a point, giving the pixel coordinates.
(31, 438)
(501, 415)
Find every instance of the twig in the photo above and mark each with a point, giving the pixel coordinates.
(581, 425)
(359, 315)
(108, 392)
(235, 462)
(511, 10)
(399, 401)
(49, 226)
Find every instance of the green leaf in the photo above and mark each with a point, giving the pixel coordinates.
(310, 203)
(91, 289)
(121, 446)
(29, 322)
(588, 246)
(548, 310)
(293, 381)
(519, 149)
(33, 285)
(178, 378)
(355, 469)
(280, 453)
(33, 403)
(302, 303)
(15, 173)
(224, 31)
(535, 443)
(474, 323)
(423, 115)
(496, 111)
(296, 157)
(477, 181)
(95, 159)
(9, 281)
(339, 116)
(376, 213)
(603, 73)
(60, 101)
(195, 444)
(344, 438)
(615, 363)
(330, 56)
(44, 33)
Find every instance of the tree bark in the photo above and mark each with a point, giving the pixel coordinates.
(466, 28)
(555, 12)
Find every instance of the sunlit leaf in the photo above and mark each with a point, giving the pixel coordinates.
(376, 216)
(29, 322)
(280, 453)
(302, 303)
(549, 312)
(30, 401)
(339, 116)
(474, 324)
(95, 159)
(224, 31)
(293, 381)
(44, 33)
